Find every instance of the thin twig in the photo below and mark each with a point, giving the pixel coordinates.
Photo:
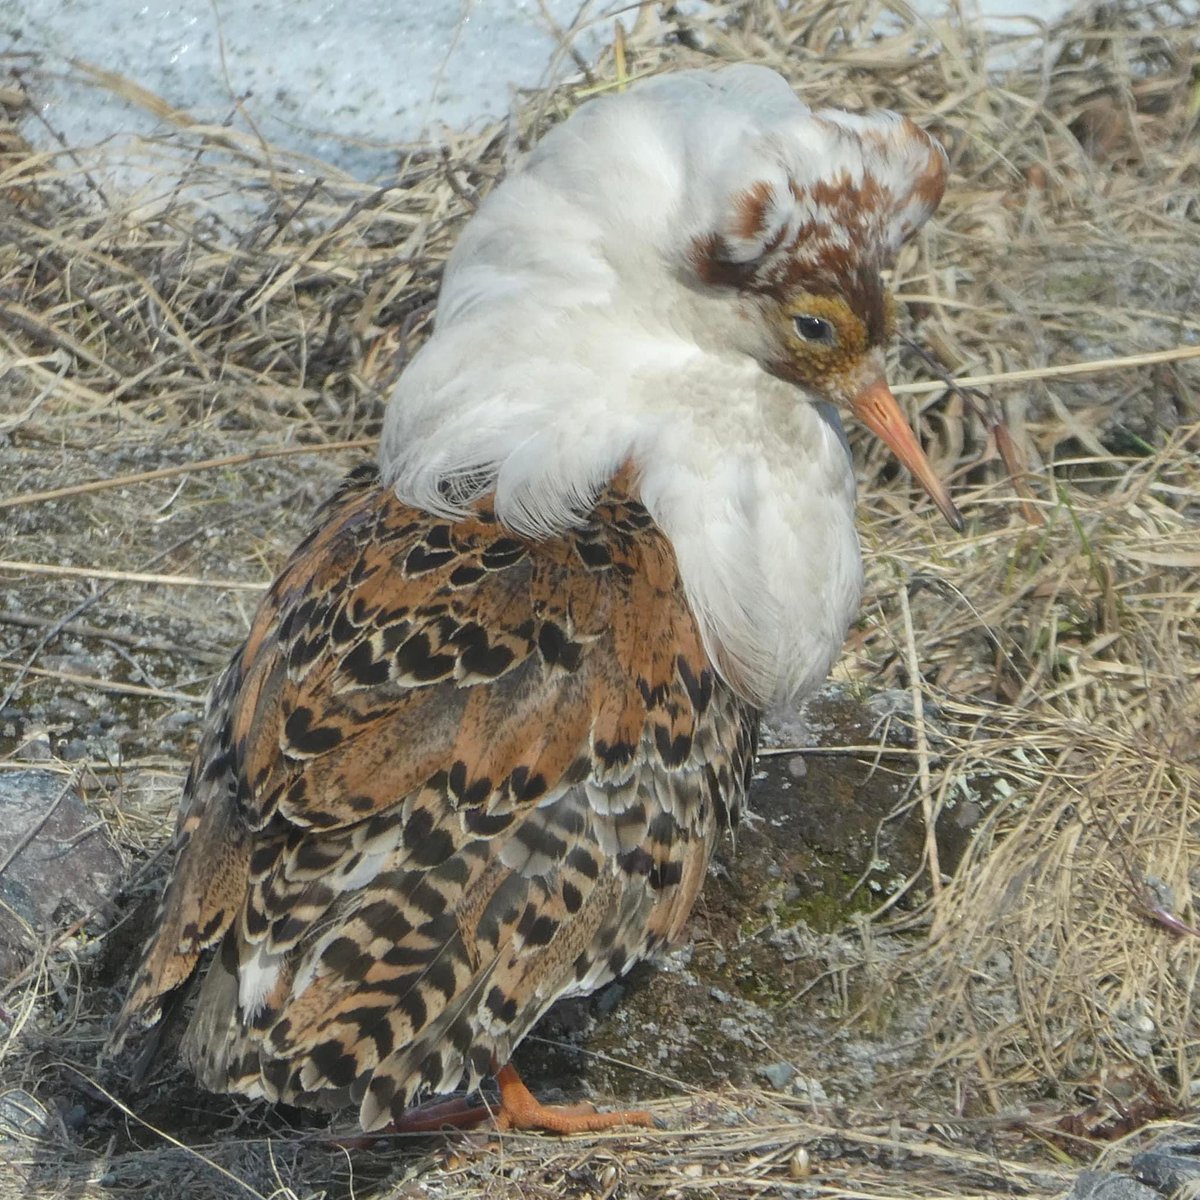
(1063, 370)
(56, 627)
(192, 468)
(33, 568)
(166, 1137)
(921, 738)
(117, 637)
(987, 413)
(36, 828)
(102, 685)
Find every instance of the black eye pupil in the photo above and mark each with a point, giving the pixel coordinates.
(814, 329)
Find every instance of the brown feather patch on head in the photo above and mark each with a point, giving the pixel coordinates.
(829, 228)
(928, 167)
(751, 210)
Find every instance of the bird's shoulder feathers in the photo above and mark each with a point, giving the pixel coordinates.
(451, 775)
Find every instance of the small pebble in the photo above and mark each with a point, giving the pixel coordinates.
(1170, 1166)
(1102, 1185)
(779, 1074)
(75, 750)
(22, 1117)
(810, 1089)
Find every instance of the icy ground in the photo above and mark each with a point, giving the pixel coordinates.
(345, 82)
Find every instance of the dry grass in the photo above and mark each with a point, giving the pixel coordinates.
(188, 384)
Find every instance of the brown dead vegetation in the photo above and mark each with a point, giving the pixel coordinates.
(189, 383)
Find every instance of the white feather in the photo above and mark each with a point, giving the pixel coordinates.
(257, 977)
(573, 336)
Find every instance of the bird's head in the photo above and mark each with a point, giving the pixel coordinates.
(804, 245)
(656, 254)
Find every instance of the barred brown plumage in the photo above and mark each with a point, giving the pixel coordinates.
(521, 761)
(490, 719)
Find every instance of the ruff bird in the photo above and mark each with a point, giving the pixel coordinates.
(492, 716)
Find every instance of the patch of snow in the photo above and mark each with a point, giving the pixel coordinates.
(345, 83)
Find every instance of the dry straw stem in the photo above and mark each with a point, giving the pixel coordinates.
(211, 464)
(164, 345)
(1056, 371)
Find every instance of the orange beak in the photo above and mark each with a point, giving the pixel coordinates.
(876, 408)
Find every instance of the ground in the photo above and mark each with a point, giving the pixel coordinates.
(955, 951)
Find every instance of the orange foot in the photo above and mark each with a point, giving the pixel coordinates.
(520, 1109)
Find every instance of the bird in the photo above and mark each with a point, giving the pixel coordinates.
(500, 704)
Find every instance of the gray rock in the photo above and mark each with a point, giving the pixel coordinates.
(1103, 1185)
(1169, 1165)
(23, 1118)
(57, 863)
(778, 1074)
(809, 1089)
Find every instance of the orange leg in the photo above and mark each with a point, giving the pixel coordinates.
(520, 1109)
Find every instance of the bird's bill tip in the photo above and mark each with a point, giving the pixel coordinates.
(876, 408)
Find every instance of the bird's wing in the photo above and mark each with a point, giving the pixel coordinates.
(451, 776)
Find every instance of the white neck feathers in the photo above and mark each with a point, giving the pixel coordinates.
(572, 337)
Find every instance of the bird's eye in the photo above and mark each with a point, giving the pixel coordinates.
(815, 329)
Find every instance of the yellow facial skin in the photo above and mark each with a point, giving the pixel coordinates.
(827, 366)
